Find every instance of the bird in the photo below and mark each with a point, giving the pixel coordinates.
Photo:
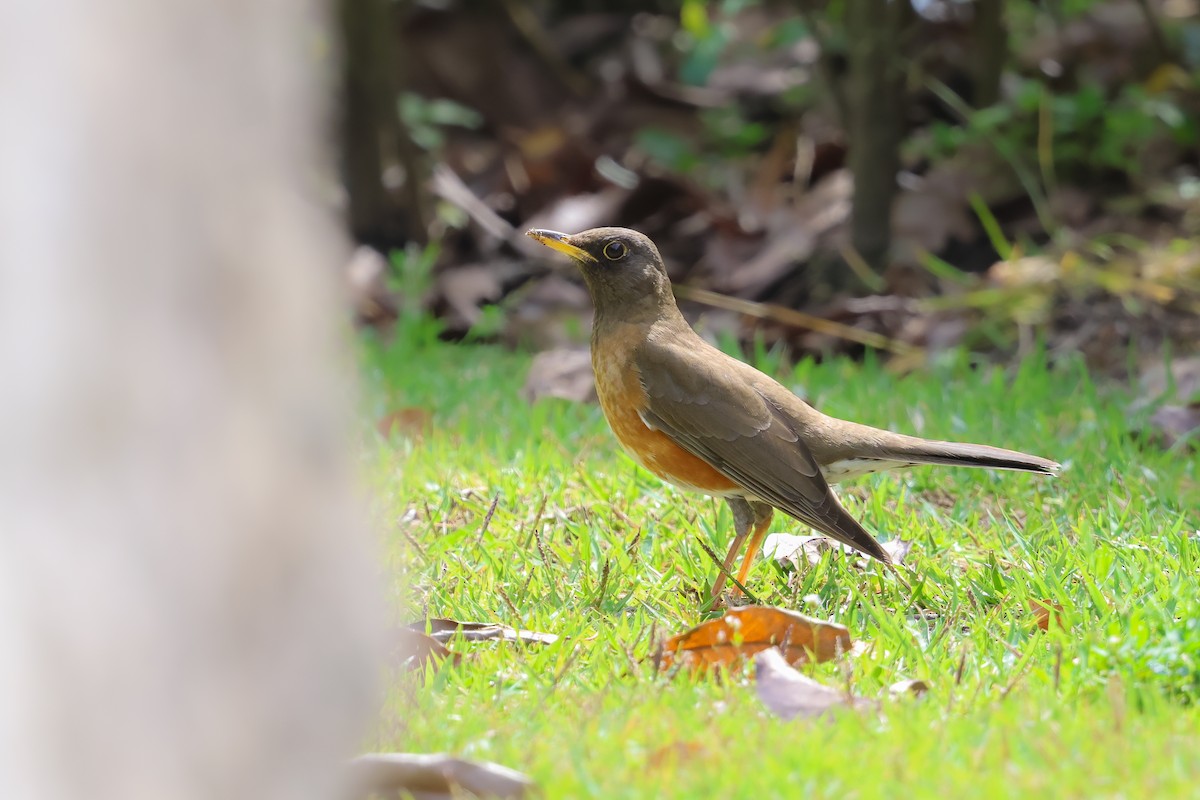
(705, 421)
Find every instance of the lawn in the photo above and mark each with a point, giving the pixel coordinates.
(584, 544)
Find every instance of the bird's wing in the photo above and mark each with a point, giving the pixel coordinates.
(708, 407)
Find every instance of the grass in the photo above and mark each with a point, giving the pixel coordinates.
(584, 544)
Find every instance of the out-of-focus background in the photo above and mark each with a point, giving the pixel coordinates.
(1025, 171)
(196, 592)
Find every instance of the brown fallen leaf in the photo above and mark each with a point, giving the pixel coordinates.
(412, 423)
(1046, 611)
(465, 290)
(788, 694)
(742, 632)
(546, 313)
(1176, 425)
(792, 235)
(1177, 382)
(564, 372)
(413, 650)
(1175, 389)
(432, 776)
(373, 301)
(443, 630)
(912, 686)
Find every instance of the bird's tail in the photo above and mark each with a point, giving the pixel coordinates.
(956, 454)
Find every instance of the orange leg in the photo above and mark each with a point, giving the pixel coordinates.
(756, 540)
(750, 519)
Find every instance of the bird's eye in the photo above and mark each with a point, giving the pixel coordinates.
(615, 251)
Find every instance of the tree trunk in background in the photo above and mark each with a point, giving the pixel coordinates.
(875, 95)
(186, 601)
(989, 40)
(372, 134)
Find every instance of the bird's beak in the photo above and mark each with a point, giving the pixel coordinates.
(562, 243)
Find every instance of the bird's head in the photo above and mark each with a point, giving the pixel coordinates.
(622, 268)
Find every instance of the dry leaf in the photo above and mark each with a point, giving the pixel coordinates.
(443, 630)
(1045, 611)
(676, 753)
(1030, 271)
(1173, 425)
(1178, 381)
(790, 551)
(413, 650)
(912, 686)
(742, 632)
(464, 290)
(792, 235)
(366, 273)
(547, 313)
(432, 777)
(573, 213)
(898, 549)
(788, 694)
(412, 423)
(1176, 386)
(564, 372)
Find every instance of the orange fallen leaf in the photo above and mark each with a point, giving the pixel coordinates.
(742, 632)
(413, 423)
(1044, 611)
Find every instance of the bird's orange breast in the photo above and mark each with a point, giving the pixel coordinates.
(622, 396)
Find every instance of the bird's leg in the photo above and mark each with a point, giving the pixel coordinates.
(761, 524)
(743, 520)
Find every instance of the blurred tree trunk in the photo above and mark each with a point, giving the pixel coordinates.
(989, 40)
(875, 97)
(372, 133)
(185, 608)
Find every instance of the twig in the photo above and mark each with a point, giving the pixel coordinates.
(631, 549)
(799, 319)
(895, 569)
(603, 582)
(537, 519)
(416, 544)
(487, 520)
(511, 607)
(447, 185)
(726, 573)
(571, 659)
(859, 266)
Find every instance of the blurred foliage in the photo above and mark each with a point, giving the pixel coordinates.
(724, 128)
(725, 134)
(426, 119)
(411, 279)
(1089, 132)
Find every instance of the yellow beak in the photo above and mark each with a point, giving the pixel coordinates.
(562, 243)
